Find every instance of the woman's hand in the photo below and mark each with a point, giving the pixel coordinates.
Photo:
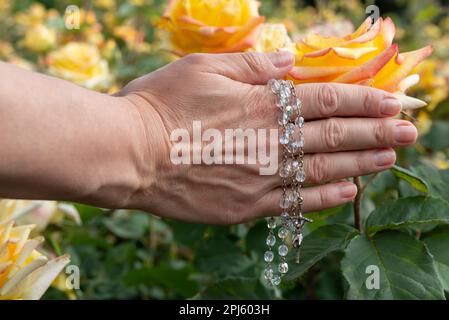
(348, 132)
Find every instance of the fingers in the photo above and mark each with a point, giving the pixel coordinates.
(248, 67)
(323, 167)
(315, 198)
(324, 100)
(341, 134)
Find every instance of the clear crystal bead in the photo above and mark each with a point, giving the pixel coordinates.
(301, 176)
(282, 232)
(285, 202)
(284, 92)
(284, 139)
(271, 240)
(294, 165)
(276, 280)
(282, 250)
(296, 104)
(288, 110)
(285, 171)
(268, 273)
(283, 267)
(268, 256)
(275, 85)
(283, 102)
(271, 223)
(294, 196)
(290, 128)
(283, 119)
(285, 215)
(300, 122)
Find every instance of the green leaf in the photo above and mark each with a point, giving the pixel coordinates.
(437, 139)
(417, 210)
(412, 178)
(438, 180)
(88, 212)
(166, 276)
(188, 234)
(218, 255)
(236, 288)
(128, 225)
(438, 243)
(406, 268)
(318, 244)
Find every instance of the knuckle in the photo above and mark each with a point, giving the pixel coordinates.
(255, 61)
(334, 134)
(196, 58)
(369, 98)
(318, 164)
(327, 99)
(360, 163)
(379, 132)
(323, 196)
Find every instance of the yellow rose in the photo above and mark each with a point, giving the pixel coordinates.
(40, 39)
(33, 16)
(366, 56)
(25, 273)
(211, 25)
(80, 63)
(37, 213)
(272, 36)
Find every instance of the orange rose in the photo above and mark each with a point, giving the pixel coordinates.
(365, 57)
(211, 25)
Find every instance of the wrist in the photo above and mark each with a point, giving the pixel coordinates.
(120, 167)
(143, 149)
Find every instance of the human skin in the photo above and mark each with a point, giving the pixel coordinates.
(59, 141)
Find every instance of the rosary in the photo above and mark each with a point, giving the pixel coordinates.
(291, 171)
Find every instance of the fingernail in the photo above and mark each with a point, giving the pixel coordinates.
(405, 133)
(384, 157)
(348, 190)
(281, 59)
(390, 107)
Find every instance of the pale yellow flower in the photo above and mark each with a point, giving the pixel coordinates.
(24, 272)
(40, 38)
(211, 25)
(36, 212)
(6, 50)
(271, 37)
(80, 63)
(105, 4)
(34, 16)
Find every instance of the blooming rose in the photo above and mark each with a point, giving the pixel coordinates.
(36, 212)
(40, 38)
(365, 57)
(271, 37)
(80, 63)
(24, 272)
(211, 25)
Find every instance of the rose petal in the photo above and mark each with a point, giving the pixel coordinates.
(370, 68)
(409, 103)
(388, 79)
(408, 82)
(306, 73)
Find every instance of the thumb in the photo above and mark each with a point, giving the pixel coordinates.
(254, 67)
